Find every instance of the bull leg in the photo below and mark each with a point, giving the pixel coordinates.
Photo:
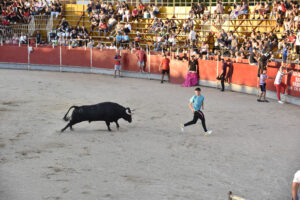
(107, 124)
(117, 125)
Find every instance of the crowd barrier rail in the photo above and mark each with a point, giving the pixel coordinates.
(243, 76)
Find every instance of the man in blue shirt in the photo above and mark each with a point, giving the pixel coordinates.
(196, 102)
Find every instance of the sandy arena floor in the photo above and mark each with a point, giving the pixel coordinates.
(254, 149)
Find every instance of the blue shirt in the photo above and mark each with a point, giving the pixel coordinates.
(118, 37)
(197, 102)
(125, 38)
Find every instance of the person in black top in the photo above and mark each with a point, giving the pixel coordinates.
(223, 75)
(192, 77)
(263, 61)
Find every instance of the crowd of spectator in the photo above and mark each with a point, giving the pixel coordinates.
(18, 11)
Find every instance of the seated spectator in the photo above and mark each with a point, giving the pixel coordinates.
(172, 40)
(23, 39)
(158, 42)
(146, 14)
(155, 11)
(192, 36)
(110, 11)
(90, 42)
(7, 40)
(135, 14)
(265, 9)
(137, 39)
(94, 23)
(142, 9)
(120, 14)
(126, 15)
(111, 23)
(125, 40)
(127, 28)
(15, 39)
(256, 9)
(90, 7)
(204, 50)
(103, 28)
(118, 39)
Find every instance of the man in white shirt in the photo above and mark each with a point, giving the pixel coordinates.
(298, 43)
(295, 186)
(278, 84)
(192, 35)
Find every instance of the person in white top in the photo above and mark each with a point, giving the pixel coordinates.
(192, 35)
(278, 84)
(298, 43)
(295, 186)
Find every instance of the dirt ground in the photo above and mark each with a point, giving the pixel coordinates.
(253, 151)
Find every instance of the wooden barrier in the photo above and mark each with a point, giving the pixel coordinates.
(243, 74)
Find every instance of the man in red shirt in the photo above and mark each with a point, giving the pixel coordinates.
(141, 55)
(165, 68)
(117, 65)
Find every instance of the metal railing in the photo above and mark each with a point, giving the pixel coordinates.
(170, 2)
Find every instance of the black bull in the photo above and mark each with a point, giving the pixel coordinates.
(107, 111)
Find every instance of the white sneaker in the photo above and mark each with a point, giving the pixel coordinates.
(182, 127)
(281, 102)
(208, 132)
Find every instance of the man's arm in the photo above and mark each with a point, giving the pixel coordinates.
(203, 105)
(295, 187)
(191, 107)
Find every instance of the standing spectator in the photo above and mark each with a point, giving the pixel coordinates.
(220, 8)
(262, 84)
(137, 39)
(192, 74)
(38, 37)
(279, 84)
(117, 64)
(141, 56)
(298, 43)
(165, 68)
(295, 186)
(223, 75)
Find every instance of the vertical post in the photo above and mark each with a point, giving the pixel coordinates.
(60, 58)
(217, 70)
(91, 56)
(149, 60)
(28, 53)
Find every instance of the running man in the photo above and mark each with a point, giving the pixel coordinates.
(278, 84)
(117, 65)
(196, 102)
(165, 68)
(262, 84)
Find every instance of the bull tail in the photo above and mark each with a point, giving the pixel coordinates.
(66, 118)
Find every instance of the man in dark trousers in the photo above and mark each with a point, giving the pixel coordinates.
(196, 103)
(223, 75)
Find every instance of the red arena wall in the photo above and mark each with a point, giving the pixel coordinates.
(242, 73)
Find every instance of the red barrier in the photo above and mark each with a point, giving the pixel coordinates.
(103, 58)
(45, 56)
(243, 73)
(14, 54)
(76, 57)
